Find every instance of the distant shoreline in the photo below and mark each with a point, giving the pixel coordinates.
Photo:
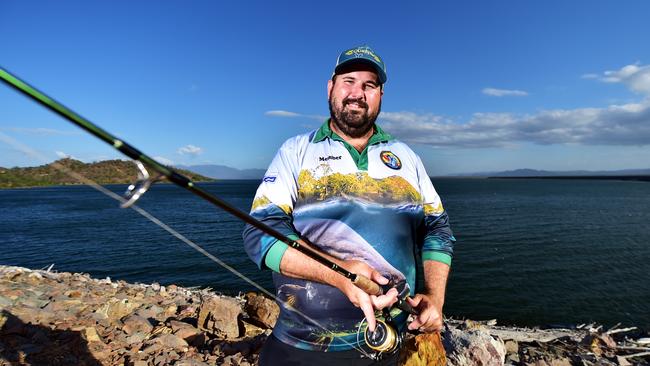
(643, 178)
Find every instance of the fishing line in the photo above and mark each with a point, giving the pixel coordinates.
(34, 154)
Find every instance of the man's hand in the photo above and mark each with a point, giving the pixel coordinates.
(429, 304)
(298, 265)
(360, 299)
(429, 309)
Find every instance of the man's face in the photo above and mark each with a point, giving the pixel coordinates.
(355, 100)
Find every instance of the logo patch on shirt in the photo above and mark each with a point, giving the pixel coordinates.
(328, 158)
(269, 179)
(390, 160)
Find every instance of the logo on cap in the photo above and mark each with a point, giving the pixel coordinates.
(359, 51)
(390, 160)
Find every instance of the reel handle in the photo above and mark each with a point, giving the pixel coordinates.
(370, 287)
(403, 305)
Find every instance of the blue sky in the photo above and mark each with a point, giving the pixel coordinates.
(472, 85)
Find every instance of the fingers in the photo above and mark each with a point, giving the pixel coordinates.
(414, 301)
(386, 300)
(369, 313)
(377, 277)
(429, 318)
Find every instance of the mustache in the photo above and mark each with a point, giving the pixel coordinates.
(358, 101)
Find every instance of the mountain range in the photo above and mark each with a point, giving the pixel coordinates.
(568, 173)
(224, 172)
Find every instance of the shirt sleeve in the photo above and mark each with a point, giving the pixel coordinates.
(273, 205)
(438, 242)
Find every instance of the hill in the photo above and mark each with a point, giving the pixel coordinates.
(102, 172)
(225, 172)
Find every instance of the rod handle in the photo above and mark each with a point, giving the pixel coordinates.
(368, 286)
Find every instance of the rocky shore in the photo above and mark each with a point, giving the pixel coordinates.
(49, 318)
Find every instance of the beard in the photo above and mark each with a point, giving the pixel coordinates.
(353, 123)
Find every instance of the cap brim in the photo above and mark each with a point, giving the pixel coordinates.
(380, 73)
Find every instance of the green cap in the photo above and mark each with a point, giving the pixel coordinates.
(365, 55)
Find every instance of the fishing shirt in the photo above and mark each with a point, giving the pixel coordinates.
(378, 206)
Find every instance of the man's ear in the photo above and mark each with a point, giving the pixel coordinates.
(330, 85)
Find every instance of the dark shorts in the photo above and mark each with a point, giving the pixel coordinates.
(275, 352)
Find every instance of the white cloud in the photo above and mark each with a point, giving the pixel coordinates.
(40, 131)
(163, 160)
(190, 150)
(287, 114)
(627, 124)
(279, 113)
(63, 155)
(493, 92)
(636, 77)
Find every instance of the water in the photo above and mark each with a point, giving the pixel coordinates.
(529, 252)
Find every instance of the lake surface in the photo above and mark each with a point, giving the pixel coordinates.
(529, 252)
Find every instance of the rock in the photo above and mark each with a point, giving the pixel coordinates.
(152, 348)
(150, 312)
(251, 330)
(5, 302)
(622, 361)
(171, 341)
(135, 323)
(188, 332)
(73, 294)
(561, 362)
(233, 360)
(99, 350)
(116, 309)
(135, 338)
(473, 347)
(90, 334)
(190, 362)
(160, 360)
(140, 363)
(170, 310)
(512, 347)
(219, 315)
(34, 302)
(262, 311)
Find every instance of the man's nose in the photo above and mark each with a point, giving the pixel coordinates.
(357, 92)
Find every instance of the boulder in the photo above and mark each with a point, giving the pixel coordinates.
(171, 341)
(135, 323)
(90, 334)
(150, 312)
(220, 316)
(473, 347)
(263, 312)
(116, 309)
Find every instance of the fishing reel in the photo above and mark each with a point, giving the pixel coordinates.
(385, 339)
(141, 185)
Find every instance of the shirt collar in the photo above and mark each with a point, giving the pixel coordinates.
(325, 131)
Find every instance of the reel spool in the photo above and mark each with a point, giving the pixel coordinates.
(384, 339)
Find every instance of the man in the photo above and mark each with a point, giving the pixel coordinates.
(365, 200)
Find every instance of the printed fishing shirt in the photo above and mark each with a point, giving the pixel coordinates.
(378, 206)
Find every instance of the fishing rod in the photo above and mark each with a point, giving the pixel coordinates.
(136, 190)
